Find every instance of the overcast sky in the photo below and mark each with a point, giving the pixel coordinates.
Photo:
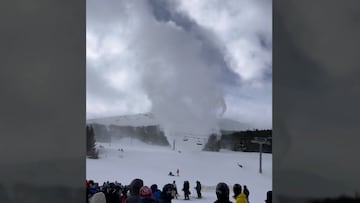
(156, 56)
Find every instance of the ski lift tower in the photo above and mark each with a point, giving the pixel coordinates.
(261, 141)
(174, 145)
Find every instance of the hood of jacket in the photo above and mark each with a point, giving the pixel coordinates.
(135, 186)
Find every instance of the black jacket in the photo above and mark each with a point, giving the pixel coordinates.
(223, 201)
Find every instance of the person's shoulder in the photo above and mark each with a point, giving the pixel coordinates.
(240, 198)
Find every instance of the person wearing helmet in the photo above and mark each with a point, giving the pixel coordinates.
(222, 193)
(146, 195)
(239, 196)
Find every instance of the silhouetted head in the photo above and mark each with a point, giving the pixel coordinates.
(154, 187)
(135, 186)
(237, 189)
(268, 197)
(222, 191)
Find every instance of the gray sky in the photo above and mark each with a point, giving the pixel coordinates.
(202, 57)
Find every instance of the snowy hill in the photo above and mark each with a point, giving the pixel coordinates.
(153, 163)
(148, 119)
(127, 120)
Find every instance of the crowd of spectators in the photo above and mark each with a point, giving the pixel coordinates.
(137, 192)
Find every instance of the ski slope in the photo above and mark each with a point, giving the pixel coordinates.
(153, 163)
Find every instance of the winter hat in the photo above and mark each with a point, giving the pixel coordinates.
(237, 189)
(145, 191)
(135, 186)
(222, 191)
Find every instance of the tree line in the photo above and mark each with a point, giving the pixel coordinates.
(239, 141)
(91, 151)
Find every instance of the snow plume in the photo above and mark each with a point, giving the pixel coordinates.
(182, 85)
(200, 43)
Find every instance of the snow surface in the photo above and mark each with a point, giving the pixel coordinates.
(153, 163)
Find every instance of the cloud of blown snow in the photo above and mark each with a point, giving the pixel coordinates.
(160, 56)
(182, 85)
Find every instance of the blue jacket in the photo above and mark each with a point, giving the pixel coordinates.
(156, 195)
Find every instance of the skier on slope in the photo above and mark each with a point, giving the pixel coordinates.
(186, 189)
(198, 189)
(175, 192)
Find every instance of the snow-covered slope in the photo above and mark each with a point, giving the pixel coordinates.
(148, 119)
(153, 163)
(126, 120)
